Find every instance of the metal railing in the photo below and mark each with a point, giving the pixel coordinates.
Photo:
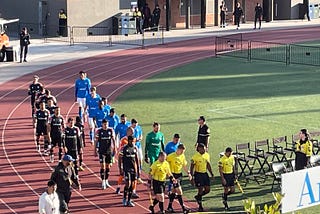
(235, 46)
(93, 35)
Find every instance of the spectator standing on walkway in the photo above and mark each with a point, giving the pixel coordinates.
(223, 13)
(303, 150)
(258, 15)
(62, 23)
(49, 200)
(238, 14)
(154, 144)
(64, 176)
(203, 132)
(138, 16)
(24, 43)
(228, 175)
(82, 90)
(146, 16)
(306, 9)
(156, 16)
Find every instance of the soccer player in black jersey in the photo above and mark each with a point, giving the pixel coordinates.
(47, 95)
(105, 146)
(81, 143)
(129, 167)
(55, 131)
(41, 118)
(34, 89)
(51, 106)
(71, 139)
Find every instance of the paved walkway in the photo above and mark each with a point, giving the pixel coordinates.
(43, 55)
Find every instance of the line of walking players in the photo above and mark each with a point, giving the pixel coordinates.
(111, 135)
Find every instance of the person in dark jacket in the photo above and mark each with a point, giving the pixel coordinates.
(64, 176)
(223, 13)
(238, 13)
(146, 16)
(24, 43)
(156, 16)
(258, 15)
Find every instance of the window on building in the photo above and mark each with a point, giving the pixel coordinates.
(125, 4)
(195, 7)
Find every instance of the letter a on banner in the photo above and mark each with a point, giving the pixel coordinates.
(309, 191)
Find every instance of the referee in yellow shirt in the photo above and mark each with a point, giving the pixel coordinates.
(227, 173)
(160, 169)
(177, 162)
(200, 164)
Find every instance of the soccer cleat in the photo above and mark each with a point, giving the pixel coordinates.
(135, 195)
(51, 158)
(170, 210)
(198, 199)
(225, 203)
(118, 191)
(124, 202)
(107, 184)
(140, 181)
(151, 208)
(186, 210)
(103, 184)
(81, 168)
(45, 152)
(130, 204)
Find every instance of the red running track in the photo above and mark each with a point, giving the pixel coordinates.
(24, 172)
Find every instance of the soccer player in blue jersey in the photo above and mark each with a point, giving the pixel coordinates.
(113, 119)
(121, 129)
(100, 114)
(138, 135)
(106, 106)
(172, 146)
(92, 105)
(82, 90)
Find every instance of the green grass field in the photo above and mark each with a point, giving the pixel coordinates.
(242, 102)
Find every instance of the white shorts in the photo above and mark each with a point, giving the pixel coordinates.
(91, 123)
(81, 102)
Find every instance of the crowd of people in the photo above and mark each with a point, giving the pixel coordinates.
(115, 138)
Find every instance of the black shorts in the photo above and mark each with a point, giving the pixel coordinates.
(201, 179)
(158, 186)
(41, 130)
(229, 179)
(56, 139)
(105, 158)
(129, 176)
(178, 178)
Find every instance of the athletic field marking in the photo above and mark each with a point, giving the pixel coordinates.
(257, 118)
(5, 204)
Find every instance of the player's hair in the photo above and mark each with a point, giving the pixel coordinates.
(155, 124)
(181, 146)
(70, 119)
(51, 183)
(134, 120)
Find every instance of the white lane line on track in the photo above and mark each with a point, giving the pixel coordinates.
(4, 128)
(5, 204)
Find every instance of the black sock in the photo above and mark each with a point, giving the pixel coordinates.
(171, 199)
(180, 201)
(225, 196)
(155, 201)
(102, 174)
(130, 193)
(60, 153)
(107, 173)
(125, 191)
(161, 206)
